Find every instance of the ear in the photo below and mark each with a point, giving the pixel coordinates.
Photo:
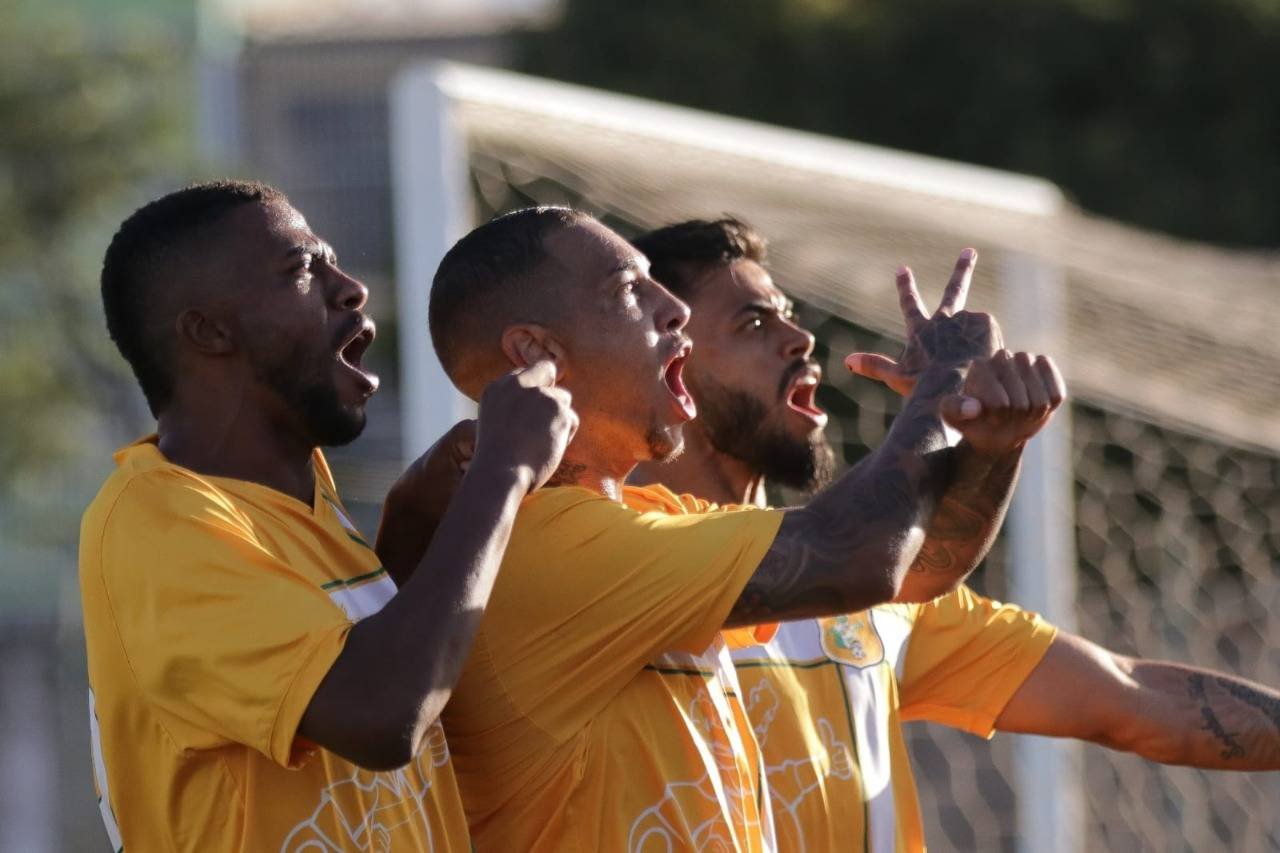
(203, 332)
(528, 343)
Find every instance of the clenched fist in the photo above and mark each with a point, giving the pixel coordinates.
(1007, 398)
(525, 423)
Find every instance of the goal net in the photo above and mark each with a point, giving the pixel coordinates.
(1148, 520)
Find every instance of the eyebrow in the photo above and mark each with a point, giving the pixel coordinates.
(317, 248)
(629, 265)
(786, 306)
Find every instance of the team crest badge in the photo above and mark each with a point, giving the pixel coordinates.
(852, 640)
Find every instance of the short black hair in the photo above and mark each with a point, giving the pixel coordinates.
(473, 289)
(136, 262)
(678, 254)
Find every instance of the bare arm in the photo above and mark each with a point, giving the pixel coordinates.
(1019, 393)
(1165, 712)
(418, 500)
(399, 666)
(965, 523)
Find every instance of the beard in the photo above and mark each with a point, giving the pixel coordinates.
(737, 425)
(313, 399)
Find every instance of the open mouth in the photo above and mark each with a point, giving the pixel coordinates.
(802, 397)
(351, 355)
(673, 376)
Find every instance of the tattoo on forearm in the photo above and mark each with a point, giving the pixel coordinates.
(1210, 722)
(824, 555)
(965, 523)
(1268, 705)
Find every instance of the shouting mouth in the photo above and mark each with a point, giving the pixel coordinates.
(673, 378)
(801, 395)
(351, 355)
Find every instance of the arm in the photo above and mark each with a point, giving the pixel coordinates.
(1019, 394)
(1164, 712)
(851, 546)
(419, 498)
(398, 667)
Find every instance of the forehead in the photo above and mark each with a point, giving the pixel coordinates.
(592, 252)
(728, 288)
(267, 230)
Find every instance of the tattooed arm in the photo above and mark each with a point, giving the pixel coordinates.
(1165, 712)
(1019, 394)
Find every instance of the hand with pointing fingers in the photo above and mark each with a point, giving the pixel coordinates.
(1007, 397)
(950, 337)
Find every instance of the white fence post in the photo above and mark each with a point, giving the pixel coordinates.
(432, 204)
(1048, 773)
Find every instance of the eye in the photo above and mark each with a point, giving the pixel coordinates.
(754, 324)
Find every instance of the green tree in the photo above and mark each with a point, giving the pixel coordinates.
(88, 115)
(1160, 112)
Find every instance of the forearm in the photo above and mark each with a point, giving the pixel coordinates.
(965, 522)
(1202, 718)
(399, 666)
(851, 546)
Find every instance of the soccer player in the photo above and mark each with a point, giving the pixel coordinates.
(256, 680)
(827, 696)
(598, 709)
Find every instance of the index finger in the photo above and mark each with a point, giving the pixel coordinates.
(913, 310)
(542, 373)
(957, 292)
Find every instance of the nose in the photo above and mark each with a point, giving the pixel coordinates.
(798, 342)
(349, 293)
(672, 314)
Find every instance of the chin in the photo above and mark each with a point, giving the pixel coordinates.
(340, 427)
(664, 443)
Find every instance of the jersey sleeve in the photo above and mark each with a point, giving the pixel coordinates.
(593, 590)
(225, 641)
(966, 657)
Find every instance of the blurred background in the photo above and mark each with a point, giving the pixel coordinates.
(1142, 253)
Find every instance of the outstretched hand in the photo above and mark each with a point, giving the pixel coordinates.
(951, 336)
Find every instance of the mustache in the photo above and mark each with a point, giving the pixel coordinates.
(793, 370)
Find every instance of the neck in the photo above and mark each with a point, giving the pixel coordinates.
(241, 443)
(705, 472)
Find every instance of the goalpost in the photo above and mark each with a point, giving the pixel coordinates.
(1114, 306)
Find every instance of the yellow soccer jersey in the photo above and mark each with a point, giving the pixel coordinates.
(599, 710)
(827, 698)
(212, 610)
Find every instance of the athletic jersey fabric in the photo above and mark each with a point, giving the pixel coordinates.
(599, 710)
(212, 610)
(827, 698)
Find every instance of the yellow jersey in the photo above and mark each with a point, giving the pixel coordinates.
(827, 698)
(599, 710)
(212, 610)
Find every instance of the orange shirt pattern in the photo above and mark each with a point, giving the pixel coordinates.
(212, 610)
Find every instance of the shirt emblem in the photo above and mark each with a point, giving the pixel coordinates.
(852, 640)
